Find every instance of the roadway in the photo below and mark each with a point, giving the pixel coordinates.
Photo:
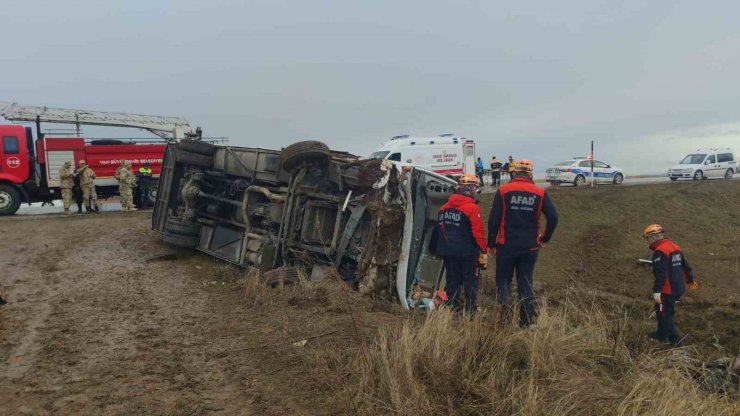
(114, 205)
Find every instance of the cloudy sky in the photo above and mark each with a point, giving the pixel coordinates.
(648, 80)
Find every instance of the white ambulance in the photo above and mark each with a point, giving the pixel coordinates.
(446, 154)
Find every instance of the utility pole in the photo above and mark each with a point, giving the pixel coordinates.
(592, 163)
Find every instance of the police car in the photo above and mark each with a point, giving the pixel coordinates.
(578, 172)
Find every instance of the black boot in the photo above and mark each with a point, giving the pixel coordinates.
(79, 209)
(97, 209)
(88, 209)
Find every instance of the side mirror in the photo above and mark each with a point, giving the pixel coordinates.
(706, 162)
(608, 166)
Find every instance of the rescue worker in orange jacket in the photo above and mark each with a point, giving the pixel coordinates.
(673, 275)
(514, 237)
(461, 242)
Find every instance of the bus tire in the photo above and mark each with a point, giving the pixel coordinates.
(197, 146)
(294, 155)
(193, 159)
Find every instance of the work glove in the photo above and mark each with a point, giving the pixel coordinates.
(692, 285)
(483, 261)
(656, 298)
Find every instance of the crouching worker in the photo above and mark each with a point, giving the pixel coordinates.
(514, 238)
(670, 268)
(461, 242)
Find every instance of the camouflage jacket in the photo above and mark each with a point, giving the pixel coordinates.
(87, 176)
(126, 177)
(66, 178)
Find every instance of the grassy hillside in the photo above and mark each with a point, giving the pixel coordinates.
(589, 354)
(598, 242)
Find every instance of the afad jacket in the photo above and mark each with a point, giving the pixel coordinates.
(670, 268)
(460, 230)
(514, 223)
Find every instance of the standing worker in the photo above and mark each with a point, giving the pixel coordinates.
(514, 238)
(126, 184)
(66, 183)
(145, 177)
(670, 269)
(461, 242)
(495, 172)
(479, 171)
(87, 183)
(511, 166)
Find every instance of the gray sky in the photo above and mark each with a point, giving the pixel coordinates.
(649, 80)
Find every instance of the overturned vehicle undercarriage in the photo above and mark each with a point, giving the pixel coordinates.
(305, 208)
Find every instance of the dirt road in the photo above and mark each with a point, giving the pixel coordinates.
(98, 322)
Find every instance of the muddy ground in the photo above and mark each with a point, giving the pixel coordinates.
(98, 322)
(103, 318)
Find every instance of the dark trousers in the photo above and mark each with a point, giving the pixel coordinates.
(508, 261)
(461, 272)
(496, 178)
(144, 194)
(664, 314)
(77, 193)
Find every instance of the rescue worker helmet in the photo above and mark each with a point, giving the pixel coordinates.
(523, 166)
(468, 179)
(652, 229)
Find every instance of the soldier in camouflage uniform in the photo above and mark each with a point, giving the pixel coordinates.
(87, 182)
(66, 182)
(126, 183)
(118, 170)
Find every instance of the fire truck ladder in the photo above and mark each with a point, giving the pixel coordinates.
(165, 127)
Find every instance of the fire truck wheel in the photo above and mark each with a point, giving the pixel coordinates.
(292, 156)
(10, 200)
(197, 146)
(175, 226)
(280, 277)
(194, 159)
(186, 241)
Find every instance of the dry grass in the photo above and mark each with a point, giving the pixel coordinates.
(575, 362)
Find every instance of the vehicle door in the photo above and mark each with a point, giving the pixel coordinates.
(14, 165)
(726, 160)
(601, 172)
(711, 167)
(585, 169)
(469, 157)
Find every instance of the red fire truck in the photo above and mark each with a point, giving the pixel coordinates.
(29, 169)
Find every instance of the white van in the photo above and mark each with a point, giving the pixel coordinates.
(446, 154)
(705, 163)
